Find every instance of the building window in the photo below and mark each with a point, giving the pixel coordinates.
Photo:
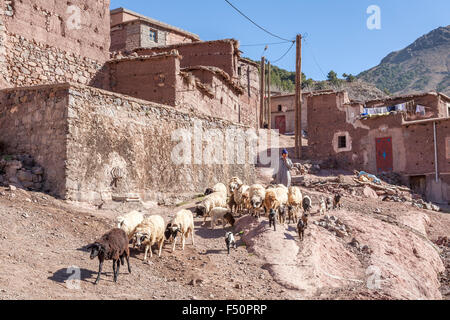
(448, 110)
(280, 108)
(342, 142)
(153, 35)
(447, 144)
(239, 71)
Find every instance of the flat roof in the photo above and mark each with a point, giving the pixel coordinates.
(143, 18)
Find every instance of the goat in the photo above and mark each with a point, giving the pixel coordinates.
(323, 206)
(273, 219)
(337, 201)
(306, 204)
(302, 225)
(229, 240)
(111, 246)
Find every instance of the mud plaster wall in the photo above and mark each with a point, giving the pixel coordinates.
(288, 105)
(108, 131)
(33, 121)
(220, 54)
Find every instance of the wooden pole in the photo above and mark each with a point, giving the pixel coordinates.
(262, 89)
(298, 99)
(269, 107)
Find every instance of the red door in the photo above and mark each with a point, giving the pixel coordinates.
(384, 154)
(280, 124)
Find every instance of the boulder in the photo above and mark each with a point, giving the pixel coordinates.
(25, 176)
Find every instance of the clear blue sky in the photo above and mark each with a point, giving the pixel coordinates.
(337, 36)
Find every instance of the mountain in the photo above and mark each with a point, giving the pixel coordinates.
(422, 66)
(283, 81)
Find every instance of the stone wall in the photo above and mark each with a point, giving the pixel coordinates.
(81, 136)
(33, 122)
(53, 41)
(108, 131)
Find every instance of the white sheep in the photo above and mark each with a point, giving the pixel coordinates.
(129, 222)
(276, 199)
(234, 184)
(150, 232)
(218, 187)
(257, 194)
(295, 199)
(241, 196)
(182, 223)
(222, 214)
(216, 199)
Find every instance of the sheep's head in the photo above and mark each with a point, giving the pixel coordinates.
(208, 191)
(200, 210)
(140, 237)
(229, 218)
(255, 202)
(171, 231)
(96, 249)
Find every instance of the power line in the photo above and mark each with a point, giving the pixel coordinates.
(315, 60)
(284, 53)
(263, 44)
(265, 30)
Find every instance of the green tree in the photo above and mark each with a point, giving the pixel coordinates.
(332, 77)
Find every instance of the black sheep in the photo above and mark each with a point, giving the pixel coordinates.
(272, 219)
(111, 246)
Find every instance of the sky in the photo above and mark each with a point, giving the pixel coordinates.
(336, 34)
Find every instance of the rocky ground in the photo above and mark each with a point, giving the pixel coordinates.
(383, 254)
(368, 249)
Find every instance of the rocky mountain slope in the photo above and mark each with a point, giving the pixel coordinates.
(422, 66)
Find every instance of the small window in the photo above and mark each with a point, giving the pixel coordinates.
(448, 147)
(448, 110)
(239, 71)
(280, 108)
(153, 35)
(342, 142)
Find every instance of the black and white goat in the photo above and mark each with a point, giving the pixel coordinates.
(230, 241)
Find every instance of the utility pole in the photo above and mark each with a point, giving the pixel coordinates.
(262, 89)
(298, 99)
(269, 108)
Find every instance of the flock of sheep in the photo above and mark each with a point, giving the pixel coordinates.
(221, 203)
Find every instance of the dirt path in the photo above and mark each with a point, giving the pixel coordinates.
(41, 237)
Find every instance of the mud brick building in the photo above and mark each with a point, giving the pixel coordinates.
(130, 30)
(409, 135)
(101, 127)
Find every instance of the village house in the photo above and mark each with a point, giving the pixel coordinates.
(408, 135)
(282, 108)
(209, 77)
(131, 30)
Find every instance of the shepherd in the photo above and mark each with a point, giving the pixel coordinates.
(283, 175)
